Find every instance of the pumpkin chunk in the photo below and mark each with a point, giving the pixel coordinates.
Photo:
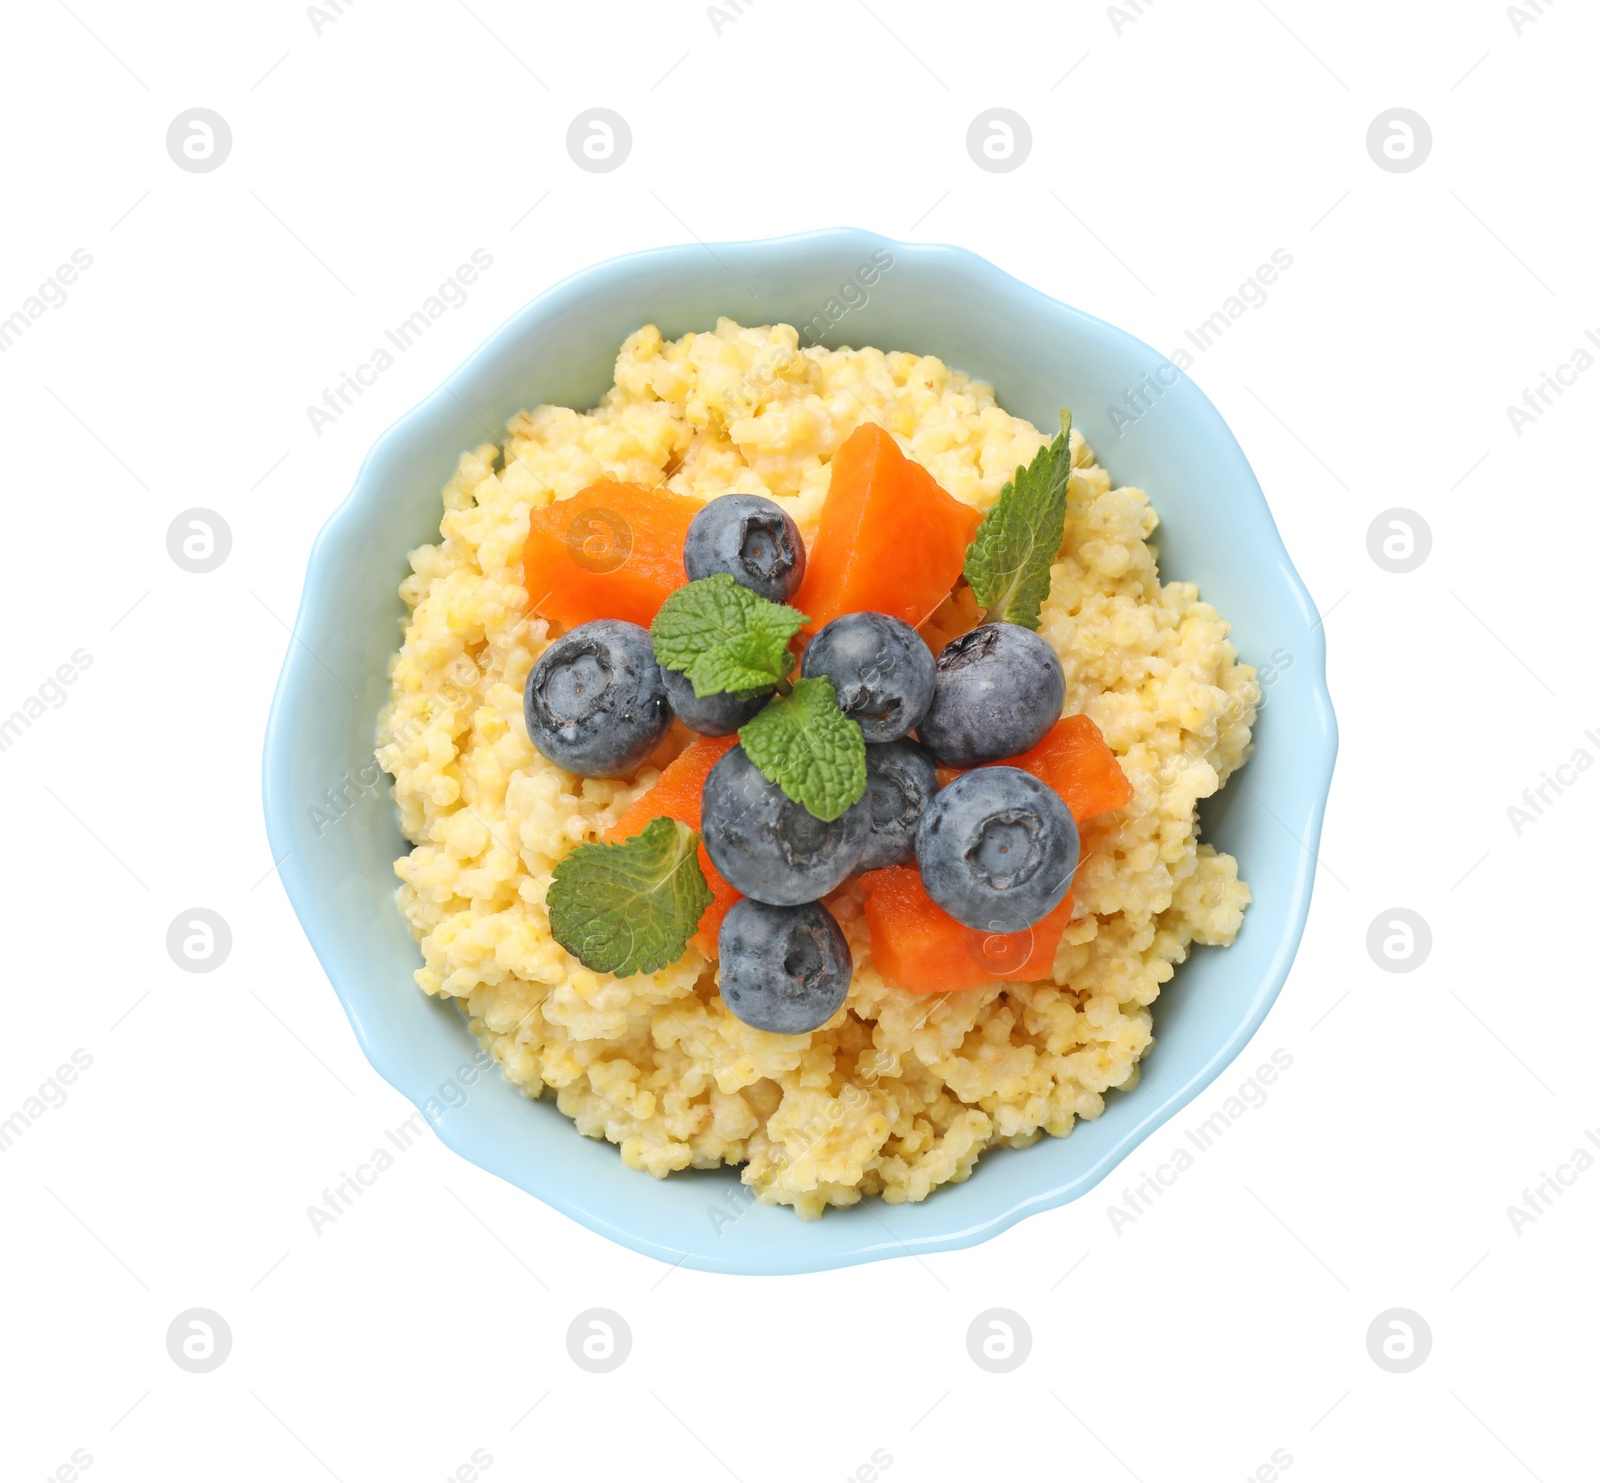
(920, 947)
(1073, 758)
(890, 540)
(611, 551)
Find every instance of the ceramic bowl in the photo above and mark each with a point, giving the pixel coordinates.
(1039, 355)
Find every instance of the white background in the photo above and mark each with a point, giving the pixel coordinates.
(1173, 151)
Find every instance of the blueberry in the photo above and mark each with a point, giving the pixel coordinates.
(997, 849)
(900, 781)
(750, 539)
(766, 845)
(711, 715)
(999, 690)
(595, 702)
(881, 670)
(783, 968)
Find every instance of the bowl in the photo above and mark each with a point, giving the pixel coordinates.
(331, 821)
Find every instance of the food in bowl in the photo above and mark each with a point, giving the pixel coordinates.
(703, 849)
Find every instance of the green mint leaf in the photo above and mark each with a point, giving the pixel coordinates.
(807, 746)
(1008, 562)
(724, 637)
(630, 907)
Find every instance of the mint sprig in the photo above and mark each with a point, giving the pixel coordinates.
(1008, 562)
(630, 907)
(725, 637)
(806, 745)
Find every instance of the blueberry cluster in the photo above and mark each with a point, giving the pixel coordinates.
(996, 847)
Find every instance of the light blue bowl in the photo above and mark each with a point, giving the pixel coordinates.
(1039, 355)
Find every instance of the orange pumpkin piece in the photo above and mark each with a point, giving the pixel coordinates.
(890, 540)
(611, 551)
(956, 615)
(920, 947)
(1073, 759)
(676, 795)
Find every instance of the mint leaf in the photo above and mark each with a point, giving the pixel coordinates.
(630, 907)
(807, 746)
(1008, 562)
(725, 637)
